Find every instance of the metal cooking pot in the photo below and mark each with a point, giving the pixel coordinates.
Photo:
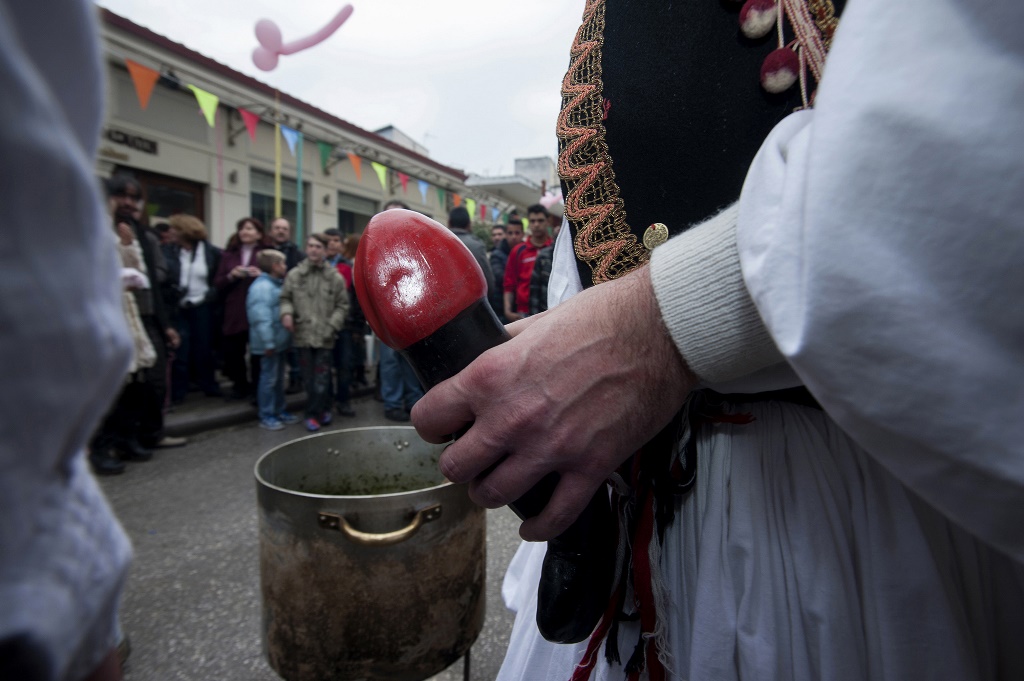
(371, 563)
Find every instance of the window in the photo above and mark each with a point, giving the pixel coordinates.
(261, 192)
(354, 212)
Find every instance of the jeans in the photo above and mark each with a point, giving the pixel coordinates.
(342, 366)
(399, 386)
(316, 375)
(294, 373)
(270, 391)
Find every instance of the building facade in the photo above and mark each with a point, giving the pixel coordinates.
(332, 173)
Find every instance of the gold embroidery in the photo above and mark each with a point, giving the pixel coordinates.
(593, 206)
(825, 17)
(603, 238)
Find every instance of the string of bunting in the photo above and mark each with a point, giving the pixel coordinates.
(145, 79)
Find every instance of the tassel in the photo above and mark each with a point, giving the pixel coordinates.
(758, 18)
(636, 662)
(780, 70)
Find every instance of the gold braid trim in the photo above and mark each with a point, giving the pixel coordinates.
(824, 13)
(593, 207)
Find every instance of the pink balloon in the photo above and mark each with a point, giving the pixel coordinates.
(321, 35)
(268, 35)
(264, 59)
(271, 45)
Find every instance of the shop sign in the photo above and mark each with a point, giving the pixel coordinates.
(135, 142)
(113, 154)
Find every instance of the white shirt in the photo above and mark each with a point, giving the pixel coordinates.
(194, 274)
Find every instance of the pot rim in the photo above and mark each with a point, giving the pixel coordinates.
(260, 480)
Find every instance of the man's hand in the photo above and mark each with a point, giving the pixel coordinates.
(576, 391)
(173, 339)
(269, 352)
(288, 323)
(509, 301)
(125, 233)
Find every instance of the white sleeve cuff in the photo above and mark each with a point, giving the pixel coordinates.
(705, 305)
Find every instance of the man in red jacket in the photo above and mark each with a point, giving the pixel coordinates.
(520, 264)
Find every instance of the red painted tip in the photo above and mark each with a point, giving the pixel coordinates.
(413, 276)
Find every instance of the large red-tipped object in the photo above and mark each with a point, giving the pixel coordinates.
(424, 295)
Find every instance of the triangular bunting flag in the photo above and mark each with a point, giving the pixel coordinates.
(470, 207)
(495, 213)
(441, 199)
(291, 136)
(357, 165)
(382, 174)
(456, 199)
(326, 149)
(144, 78)
(207, 102)
(404, 179)
(424, 186)
(251, 121)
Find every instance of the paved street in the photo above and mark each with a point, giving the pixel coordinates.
(192, 607)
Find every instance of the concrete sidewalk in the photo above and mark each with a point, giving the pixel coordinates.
(199, 413)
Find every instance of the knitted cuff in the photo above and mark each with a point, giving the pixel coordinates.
(705, 305)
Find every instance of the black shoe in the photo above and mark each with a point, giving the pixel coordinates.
(396, 414)
(214, 392)
(104, 463)
(133, 451)
(344, 409)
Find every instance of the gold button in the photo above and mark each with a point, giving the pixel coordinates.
(656, 235)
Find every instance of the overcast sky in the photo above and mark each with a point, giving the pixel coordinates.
(474, 81)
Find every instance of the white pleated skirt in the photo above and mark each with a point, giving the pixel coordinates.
(798, 557)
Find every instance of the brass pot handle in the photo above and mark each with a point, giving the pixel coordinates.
(336, 521)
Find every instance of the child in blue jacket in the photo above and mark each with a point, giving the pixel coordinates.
(269, 339)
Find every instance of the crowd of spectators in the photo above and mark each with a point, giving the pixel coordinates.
(272, 318)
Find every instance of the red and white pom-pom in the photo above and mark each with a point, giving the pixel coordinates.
(758, 17)
(780, 70)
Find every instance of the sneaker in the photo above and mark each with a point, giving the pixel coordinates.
(271, 424)
(327, 418)
(344, 409)
(312, 425)
(396, 414)
(287, 418)
(168, 441)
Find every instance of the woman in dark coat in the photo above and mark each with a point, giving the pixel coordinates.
(236, 273)
(191, 264)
